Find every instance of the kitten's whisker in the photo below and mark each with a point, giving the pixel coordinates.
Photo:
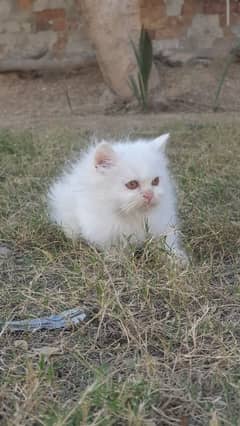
(130, 206)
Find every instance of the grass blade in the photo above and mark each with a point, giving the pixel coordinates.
(135, 88)
(146, 53)
(144, 59)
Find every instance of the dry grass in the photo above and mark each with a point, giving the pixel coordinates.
(161, 346)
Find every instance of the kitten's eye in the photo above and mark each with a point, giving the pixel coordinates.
(155, 181)
(132, 184)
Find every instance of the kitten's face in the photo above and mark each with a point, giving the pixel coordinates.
(132, 175)
(141, 194)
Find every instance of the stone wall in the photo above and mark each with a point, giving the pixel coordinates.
(188, 28)
(37, 34)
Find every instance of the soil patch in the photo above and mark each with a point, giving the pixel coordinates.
(32, 97)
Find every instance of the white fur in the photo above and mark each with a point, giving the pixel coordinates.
(93, 202)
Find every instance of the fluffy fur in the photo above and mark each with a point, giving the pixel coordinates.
(112, 191)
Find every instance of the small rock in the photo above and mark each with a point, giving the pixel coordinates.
(203, 61)
(4, 251)
(22, 344)
(107, 98)
(174, 59)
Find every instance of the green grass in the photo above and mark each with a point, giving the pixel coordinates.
(161, 345)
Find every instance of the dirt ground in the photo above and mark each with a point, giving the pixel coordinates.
(33, 99)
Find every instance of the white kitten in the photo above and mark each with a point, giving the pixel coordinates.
(113, 190)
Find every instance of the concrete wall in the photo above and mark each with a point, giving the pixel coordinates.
(52, 33)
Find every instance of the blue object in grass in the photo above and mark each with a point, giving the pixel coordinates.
(64, 320)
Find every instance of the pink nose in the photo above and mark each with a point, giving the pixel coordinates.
(148, 196)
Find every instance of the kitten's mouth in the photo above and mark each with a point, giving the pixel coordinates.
(142, 206)
(148, 205)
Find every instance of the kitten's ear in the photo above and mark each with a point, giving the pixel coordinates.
(105, 156)
(160, 142)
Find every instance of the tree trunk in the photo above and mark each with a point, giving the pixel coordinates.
(112, 24)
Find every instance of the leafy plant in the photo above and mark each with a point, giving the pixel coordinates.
(144, 57)
(233, 53)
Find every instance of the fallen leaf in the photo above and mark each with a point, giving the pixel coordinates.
(184, 421)
(214, 420)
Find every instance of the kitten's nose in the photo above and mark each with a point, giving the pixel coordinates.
(148, 196)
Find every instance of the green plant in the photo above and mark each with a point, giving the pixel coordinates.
(232, 56)
(144, 57)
